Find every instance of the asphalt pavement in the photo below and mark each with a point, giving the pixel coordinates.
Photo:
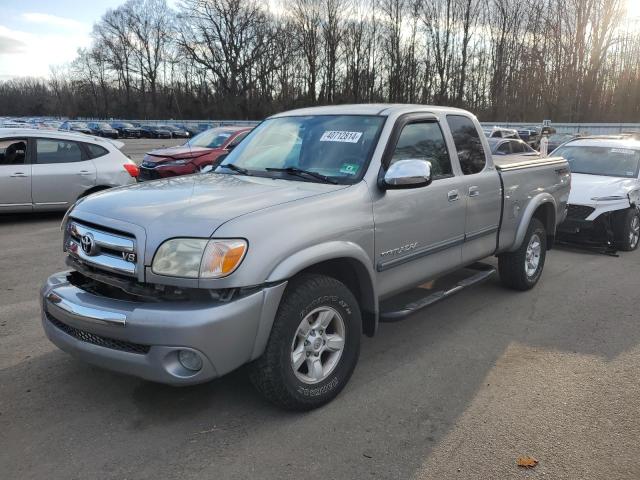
(457, 391)
(136, 148)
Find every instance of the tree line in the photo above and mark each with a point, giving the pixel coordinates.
(505, 60)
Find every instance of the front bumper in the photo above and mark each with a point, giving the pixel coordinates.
(143, 338)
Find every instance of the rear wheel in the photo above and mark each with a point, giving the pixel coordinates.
(626, 227)
(522, 269)
(313, 347)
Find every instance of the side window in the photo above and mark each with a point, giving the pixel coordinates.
(57, 151)
(468, 144)
(237, 140)
(13, 151)
(517, 147)
(505, 148)
(96, 151)
(424, 141)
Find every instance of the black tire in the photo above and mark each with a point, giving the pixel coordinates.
(512, 265)
(623, 225)
(273, 373)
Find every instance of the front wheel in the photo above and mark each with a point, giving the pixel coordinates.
(313, 347)
(627, 229)
(521, 270)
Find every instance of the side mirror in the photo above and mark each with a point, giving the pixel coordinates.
(403, 174)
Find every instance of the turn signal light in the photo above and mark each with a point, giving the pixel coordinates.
(132, 168)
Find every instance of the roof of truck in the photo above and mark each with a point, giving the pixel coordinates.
(383, 109)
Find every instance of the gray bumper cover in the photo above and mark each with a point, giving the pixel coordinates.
(226, 335)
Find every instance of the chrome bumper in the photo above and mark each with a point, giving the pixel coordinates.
(98, 330)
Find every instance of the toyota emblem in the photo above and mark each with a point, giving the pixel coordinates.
(88, 244)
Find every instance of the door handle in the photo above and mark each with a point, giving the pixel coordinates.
(452, 195)
(84, 172)
(19, 175)
(474, 191)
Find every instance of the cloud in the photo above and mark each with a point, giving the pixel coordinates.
(9, 44)
(53, 20)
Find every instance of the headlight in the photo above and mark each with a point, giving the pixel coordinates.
(174, 162)
(194, 257)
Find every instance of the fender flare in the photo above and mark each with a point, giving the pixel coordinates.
(335, 250)
(527, 215)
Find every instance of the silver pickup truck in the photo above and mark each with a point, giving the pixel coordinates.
(320, 224)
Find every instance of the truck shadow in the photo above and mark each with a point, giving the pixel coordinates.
(415, 379)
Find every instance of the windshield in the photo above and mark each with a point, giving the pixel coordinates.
(79, 124)
(104, 125)
(611, 162)
(337, 146)
(213, 138)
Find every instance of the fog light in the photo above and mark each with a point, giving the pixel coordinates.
(190, 360)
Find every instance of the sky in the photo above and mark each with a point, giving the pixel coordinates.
(37, 34)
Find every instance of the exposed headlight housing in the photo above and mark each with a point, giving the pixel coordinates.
(199, 258)
(610, 198)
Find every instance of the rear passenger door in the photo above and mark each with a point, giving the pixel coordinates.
(419, 232)
(62, 172)
(15, 175)
(482, 190)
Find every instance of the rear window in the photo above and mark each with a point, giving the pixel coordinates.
(96, 151)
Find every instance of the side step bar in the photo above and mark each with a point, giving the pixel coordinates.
(475, 273)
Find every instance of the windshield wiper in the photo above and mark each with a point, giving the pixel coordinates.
(300, 172)
(235, 168)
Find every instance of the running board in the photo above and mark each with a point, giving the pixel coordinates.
(407, 303)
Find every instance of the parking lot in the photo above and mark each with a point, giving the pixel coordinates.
(135, 148)
(459, 390)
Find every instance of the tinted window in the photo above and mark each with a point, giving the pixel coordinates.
(468, 144)
(58, 151)
(13, 151)
(96, 151)
(424, 141)
(505, 148)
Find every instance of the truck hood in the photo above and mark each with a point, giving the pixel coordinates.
(193, 205)
(584, 188)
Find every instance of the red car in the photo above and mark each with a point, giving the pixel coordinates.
(199, 154)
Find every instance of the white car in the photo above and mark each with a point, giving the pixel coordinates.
(43, 170)
(499, 132)
(605, 190)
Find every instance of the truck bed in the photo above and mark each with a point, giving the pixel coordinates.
(524, 178)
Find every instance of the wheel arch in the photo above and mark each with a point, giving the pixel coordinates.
(346, 262)
(542, 207)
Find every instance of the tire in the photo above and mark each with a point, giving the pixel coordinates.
(308, 300)
(516, 268)
(626, 229)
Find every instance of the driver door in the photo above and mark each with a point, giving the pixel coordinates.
(419, 232)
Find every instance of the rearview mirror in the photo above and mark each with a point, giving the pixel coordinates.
(412, 173)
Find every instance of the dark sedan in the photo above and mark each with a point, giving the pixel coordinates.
(79, 127)
(155, 131)
(103, 129)
(127, 130)
(177, 132)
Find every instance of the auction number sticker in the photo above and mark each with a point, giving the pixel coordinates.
(340, 136)
(624, 151)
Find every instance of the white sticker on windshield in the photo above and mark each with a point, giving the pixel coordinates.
(624, 151)
(340, 136)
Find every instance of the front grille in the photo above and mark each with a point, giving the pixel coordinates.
(148, 174)
(101, 248)
(579, 212)
(98, 340)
